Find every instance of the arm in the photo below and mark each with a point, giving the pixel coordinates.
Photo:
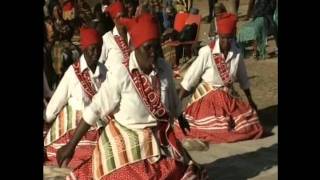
(176, 106)
(244, 82)
(65, 153)
(195, 71)
(183, 93)
(59, 98)
(103, 103)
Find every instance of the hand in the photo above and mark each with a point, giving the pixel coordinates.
(184, 124)
(253, 105)
(64, 155)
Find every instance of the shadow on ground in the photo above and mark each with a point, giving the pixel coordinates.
(243, 166)
(269, 119)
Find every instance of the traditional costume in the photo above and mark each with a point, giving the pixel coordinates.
(215, 112)
(74, 92)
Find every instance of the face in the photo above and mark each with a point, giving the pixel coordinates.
(219, 10)
(116, 19)
(147, 54)
(49, 30)
(225, 41)
(92, 54)
(57, 12)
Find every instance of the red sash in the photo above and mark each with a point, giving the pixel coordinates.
(221, 65)
(85, 80)
(123, 46)
(152, 102)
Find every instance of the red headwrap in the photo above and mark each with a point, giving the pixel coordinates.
(141, 29)
(89, 36)
(115, 8)
(68, 6)
(226, 23)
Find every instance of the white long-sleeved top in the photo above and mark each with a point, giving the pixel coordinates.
(118, 95)
(205, 69)
(71, 91)
(111, 53)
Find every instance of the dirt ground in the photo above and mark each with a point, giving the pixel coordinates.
(254, 159)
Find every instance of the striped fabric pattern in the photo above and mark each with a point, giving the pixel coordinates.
(202, 90)
(67, 120)
(119, 146)
(216, 116)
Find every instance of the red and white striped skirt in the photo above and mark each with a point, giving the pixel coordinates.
(165, 168)
(218, 117)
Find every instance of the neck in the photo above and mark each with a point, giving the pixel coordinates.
(145, 70)
(225, 51)
(225, 54)
(122, 33)
(93, 68)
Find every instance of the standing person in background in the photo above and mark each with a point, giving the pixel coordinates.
(266, 9)
(250, 9)
(219, 9)
(211, 4)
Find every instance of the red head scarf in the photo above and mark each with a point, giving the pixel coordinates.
(115, 8)
(226, 23)
(89, 36)
(68, 6)
(141, 29)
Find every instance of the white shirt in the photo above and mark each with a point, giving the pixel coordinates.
(205, 69)
(111, 53)
(118, 95)
(71, 91)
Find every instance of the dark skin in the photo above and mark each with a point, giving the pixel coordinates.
(225, 45)
(65, 153)
(121, 29)
(146, 58)
(147, 55)
(92, 54)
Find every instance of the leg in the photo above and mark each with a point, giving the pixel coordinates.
(255, 52)
(211, 6)
(233, 6)
(250, 8)
(274, 29)
(237, 5)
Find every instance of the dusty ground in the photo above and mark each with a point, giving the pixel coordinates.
(255, 159)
